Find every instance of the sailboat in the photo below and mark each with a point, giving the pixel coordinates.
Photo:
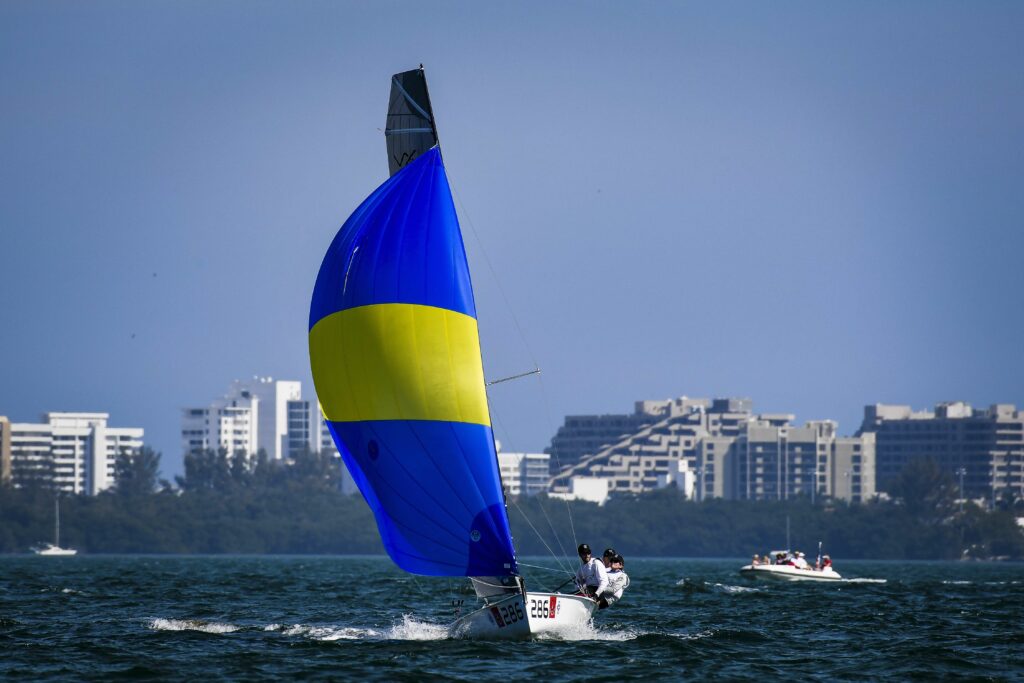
(395, 355)
(54, 549)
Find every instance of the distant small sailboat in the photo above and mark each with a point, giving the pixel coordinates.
(54, 549)
(395, 355)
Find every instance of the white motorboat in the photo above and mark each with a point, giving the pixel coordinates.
(786, 572)
(54, 549)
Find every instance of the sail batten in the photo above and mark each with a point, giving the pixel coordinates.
(395, 354)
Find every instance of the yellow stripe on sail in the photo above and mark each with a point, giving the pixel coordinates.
(398, 362)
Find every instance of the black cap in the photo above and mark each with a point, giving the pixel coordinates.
(584, 549)
(620, 559)
(609, 552)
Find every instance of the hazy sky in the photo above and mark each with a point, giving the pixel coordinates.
(815, 205)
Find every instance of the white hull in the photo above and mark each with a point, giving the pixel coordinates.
(55, 551)
(785, 572)
(516, 617)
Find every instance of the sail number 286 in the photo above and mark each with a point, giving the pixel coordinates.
(542, 608)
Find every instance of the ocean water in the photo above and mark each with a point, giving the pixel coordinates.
(257, 618)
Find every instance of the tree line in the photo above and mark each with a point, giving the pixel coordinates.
(234, 503)
(923, 521)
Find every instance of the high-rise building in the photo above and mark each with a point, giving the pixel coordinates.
(5, 450)
(261, 413)
(732, 453)
(524, 474)
(583, 435)
(985, 447)
(328, 447)
(774, 460)
(72, 452)
(302, 432)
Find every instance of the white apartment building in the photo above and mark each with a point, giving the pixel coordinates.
(258, 413)
(5, 450)
(588, 489)
(524, 474)
(328, 447)
(74, 452)
(721, 449)
(984, 445)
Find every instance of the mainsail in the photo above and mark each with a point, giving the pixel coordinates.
(410, 129)
(395, 353)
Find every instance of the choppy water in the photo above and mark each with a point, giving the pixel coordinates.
(328, 617)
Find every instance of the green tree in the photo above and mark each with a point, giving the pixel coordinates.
(136, 474)
(928, 492)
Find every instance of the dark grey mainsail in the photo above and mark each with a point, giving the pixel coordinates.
(410, 129)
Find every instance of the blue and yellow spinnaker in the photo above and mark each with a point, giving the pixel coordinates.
(395, 353)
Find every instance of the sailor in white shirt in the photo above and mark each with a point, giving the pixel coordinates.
(591, 577)
(618, 581)
(799, 561)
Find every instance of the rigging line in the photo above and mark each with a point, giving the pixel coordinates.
(417, 584)
(520, 510)
(537, 566)
(494, 273)
(519, 330)
(554, 534)
(535, 371)
(558, 462)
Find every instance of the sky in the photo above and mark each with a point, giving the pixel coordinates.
(814, 205)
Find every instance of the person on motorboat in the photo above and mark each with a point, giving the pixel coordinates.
(756, 561)
(800, 562)
(591, 577)
(783, 559)
(618, 581)
(826, 562)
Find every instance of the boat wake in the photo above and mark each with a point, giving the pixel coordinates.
(413, 629)
(191, 625)
(698, 586)
(587, 631)
(865, 580)
(727, 589)
(325, 633)
(409, 628)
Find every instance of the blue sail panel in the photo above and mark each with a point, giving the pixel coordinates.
(402, 245)
(433, 518)
(395, 354)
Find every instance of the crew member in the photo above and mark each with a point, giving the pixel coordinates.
(826, 562)
(591, 577)
(618, 581)
(800, 562)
